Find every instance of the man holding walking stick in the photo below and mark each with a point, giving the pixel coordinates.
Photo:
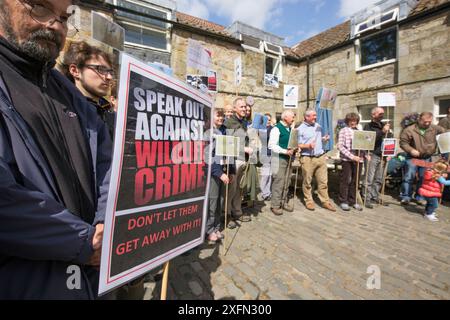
(375, 172)
(281, 158)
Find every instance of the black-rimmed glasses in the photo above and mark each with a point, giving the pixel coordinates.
(43, 15)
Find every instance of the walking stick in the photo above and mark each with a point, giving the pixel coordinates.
(357, 195)
(285, 184)
(367, 179)
(443, 187)
(383, 188)
(226, 210)
(296, 179)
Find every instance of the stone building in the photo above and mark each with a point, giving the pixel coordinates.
(400, 46)
(403, 48)
(154, 32)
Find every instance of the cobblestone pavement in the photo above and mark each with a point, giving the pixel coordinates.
(319, 255)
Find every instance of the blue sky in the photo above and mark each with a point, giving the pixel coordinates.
(295, 20)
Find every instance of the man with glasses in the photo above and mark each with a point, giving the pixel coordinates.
(90, 69)
(55, 157)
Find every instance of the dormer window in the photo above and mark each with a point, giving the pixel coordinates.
(375, 22)
(273, 67)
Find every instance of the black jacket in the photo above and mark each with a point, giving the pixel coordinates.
(42, 243)
(378, 128)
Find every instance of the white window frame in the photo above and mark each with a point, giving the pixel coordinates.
(377, 25)
(143, 26)
(266, 49)
(378, 64)
(167, 31)
(436, 114)
(279, 59)
(260, 50)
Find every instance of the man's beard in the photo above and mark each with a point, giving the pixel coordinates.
(44, 53)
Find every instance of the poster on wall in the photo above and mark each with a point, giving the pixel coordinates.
(290, 96)
(238, 71)
(206, 84)
(157, 199)
(198, 57)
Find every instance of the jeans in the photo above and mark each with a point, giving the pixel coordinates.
(432, 205)
(375, 171)
(214, 205)
(266, 180)
(409, 176)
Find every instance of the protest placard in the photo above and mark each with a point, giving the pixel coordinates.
(157, 198)
(387, 99)
(328, 98)
(293, 139)
(443, 141)
(107, 32)
(227, 146)
(364, 140)
(389, 147)
(290, 96)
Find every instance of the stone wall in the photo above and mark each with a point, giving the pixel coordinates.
(419, 76)
(267, 99)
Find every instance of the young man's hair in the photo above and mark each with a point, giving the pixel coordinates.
(78, 53)
(351, 117)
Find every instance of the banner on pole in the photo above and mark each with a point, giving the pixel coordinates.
(290, 96)
(328, 98)
(157, 198)
(364, 140)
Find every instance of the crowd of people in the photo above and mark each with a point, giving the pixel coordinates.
(56, 130)
(277, 153)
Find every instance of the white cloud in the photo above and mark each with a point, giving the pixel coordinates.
(196, 8)
(349, 7)
(258, 14)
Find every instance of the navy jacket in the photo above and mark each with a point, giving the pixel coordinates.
(40, 239)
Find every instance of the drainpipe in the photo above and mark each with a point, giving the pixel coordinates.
(307, 83)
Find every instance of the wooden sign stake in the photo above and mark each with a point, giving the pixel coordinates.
(165, 280)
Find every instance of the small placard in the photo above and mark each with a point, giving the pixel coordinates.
(389, 147)
(443, 141)
(364, 140)
(227, 146)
